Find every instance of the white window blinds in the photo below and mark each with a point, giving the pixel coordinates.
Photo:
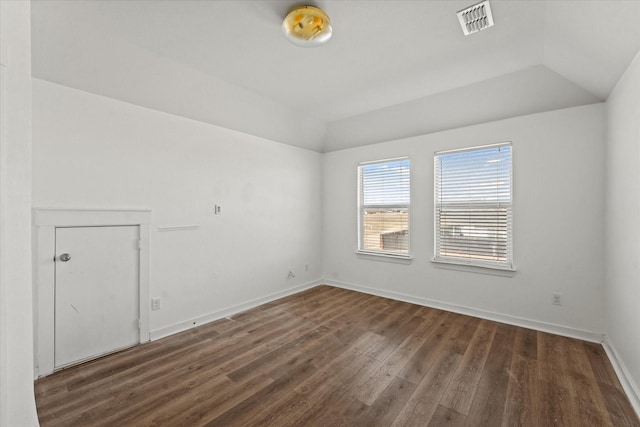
(473, 198)
(383, 206)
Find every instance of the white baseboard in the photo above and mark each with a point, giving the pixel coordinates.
(497, 317)
(228, 311)
(631, 389)
(628, 384)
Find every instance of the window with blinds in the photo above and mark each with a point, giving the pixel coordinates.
(383, 207)
(473, 198)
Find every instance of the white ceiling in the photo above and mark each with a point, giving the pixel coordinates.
(392, 69)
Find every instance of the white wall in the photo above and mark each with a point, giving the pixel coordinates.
(95, 152)
(559, 174)
(622, 226)
(17, 404)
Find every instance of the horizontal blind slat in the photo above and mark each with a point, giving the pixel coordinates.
(463, 181)
(384, 201)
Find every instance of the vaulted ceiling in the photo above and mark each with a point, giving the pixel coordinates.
(392, 69)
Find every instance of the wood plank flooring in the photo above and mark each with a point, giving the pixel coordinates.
(333, 357)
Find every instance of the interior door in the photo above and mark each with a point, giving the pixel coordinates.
(96, 291)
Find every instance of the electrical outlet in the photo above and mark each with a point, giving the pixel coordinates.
(556, 299)
(306, 267)
(155, 304)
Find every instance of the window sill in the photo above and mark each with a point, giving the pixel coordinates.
(385, 257)
(494, 270)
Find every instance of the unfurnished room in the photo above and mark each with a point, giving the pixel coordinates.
(330, 213)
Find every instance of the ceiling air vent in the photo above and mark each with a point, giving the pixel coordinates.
(475, 18)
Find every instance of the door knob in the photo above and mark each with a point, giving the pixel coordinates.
(64, 257)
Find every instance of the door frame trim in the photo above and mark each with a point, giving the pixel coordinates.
(45, 221)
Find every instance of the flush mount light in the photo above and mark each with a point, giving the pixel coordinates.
(475, 18)
(307, 26)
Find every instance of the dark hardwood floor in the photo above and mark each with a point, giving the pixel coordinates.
(333, 357)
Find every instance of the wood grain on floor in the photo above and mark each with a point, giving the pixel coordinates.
(334, 357)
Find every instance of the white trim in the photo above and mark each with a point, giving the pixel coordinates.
(225, 312)
(362, 207)
(82, 217)
(631, 389)
(439, 206)
(393, 159)
(179, 228)
(494, 270)
(45, 221)
(4, 211)
(477, 147)
(482, 314)
(385, 256)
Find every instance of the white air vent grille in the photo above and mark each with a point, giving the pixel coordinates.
(475, 18)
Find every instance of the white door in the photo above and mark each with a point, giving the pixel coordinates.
(96, 291)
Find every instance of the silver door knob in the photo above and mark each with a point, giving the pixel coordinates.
(64, 257)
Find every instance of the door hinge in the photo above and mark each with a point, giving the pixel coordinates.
(139, 244)
(139, 323)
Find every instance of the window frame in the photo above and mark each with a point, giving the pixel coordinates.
(373, 253)
(468, 262)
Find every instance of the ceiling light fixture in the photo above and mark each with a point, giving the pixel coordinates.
(475, 18)
(307, 26)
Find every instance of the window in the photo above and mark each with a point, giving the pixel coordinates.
(383, 207)
(473, 198)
